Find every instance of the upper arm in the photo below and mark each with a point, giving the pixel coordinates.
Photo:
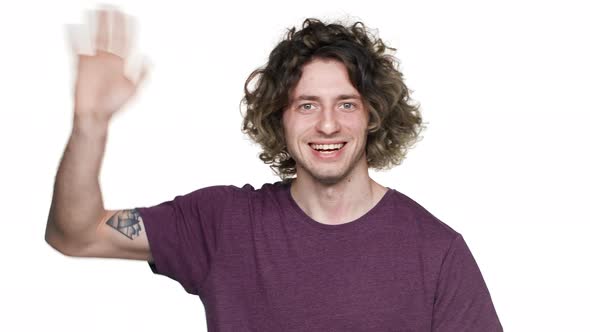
(120, 234)
(463, 302)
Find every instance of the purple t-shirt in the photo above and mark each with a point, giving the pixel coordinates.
(259, 263)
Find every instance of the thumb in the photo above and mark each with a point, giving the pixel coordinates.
(137, 69)
(145, 70)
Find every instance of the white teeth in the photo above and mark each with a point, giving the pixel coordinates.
(327, 146)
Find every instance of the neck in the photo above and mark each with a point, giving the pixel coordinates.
(340, 202)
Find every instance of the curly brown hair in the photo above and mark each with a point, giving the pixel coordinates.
(395, 121)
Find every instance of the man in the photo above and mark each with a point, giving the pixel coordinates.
(325, 249)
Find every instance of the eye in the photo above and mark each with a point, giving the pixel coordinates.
(348, 106)
(306, 107)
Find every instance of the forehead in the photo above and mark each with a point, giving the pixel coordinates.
(324, 77)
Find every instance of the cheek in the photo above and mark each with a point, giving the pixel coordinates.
(357, 124)
(292, 128)
(289, 135)
(288, 123)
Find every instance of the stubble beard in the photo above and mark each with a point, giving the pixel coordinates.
(329, 180)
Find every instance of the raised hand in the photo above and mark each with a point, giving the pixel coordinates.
(102, 87)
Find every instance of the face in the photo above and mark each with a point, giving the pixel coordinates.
(325, 124)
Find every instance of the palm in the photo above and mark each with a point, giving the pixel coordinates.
(101, 86)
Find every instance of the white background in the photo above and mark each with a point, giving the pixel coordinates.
(503, 89)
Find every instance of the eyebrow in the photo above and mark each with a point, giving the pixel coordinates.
(317, 98)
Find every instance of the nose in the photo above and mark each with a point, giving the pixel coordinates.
(328, 122)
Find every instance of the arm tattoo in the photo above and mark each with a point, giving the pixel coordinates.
(126, 222)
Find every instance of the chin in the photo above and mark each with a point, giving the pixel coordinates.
(328, 179)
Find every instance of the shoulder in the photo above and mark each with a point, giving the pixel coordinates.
(220, 194)
(418, 221)
(246, 188)
(266, 190)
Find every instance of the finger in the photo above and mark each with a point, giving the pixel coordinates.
(73, 37)
(142, 76)
(119, 34)
(102, 31)
(131, 33)
(137, 68)
(78, 37)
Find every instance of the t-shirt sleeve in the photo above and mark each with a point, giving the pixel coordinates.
(463, 302)
(183, 234)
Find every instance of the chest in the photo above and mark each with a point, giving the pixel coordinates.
(368, 282)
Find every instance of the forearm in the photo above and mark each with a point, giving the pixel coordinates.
(77, 206)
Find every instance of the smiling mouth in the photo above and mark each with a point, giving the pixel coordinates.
(327, 147)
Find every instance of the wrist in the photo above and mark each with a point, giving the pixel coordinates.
(90, 124)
